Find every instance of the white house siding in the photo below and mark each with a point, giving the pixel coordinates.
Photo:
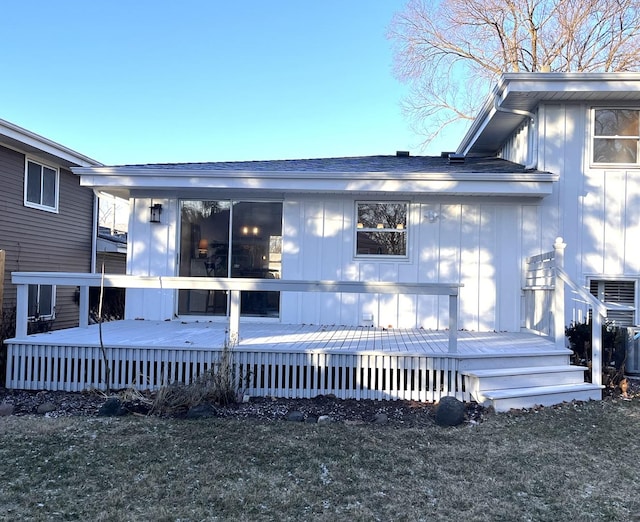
(476, 242)
(478, 245)
(595, 210)
(151, 253)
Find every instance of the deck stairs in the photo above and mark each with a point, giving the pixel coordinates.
(529, 381)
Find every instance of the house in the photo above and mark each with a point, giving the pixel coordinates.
(550, 155)
(46, 221)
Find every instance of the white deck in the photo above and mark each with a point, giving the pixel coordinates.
(269, 337)
(272, 359)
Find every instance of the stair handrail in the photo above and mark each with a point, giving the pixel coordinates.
(598, 307)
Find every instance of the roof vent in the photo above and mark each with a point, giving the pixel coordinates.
(402, 153)
(456, 158)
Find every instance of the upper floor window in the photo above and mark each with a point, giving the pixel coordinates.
(41, 186)
(381, 229)
(616, 134)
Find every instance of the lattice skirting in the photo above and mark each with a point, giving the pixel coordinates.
(268, 374)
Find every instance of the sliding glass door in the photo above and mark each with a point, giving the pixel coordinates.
(230, 239)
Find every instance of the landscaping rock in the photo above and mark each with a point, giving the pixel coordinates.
(325, 419)
(202, 411)
(112, 408)
(295, 416)
(46, 407)
(311, 419)
(6, 409)
(380, 418)
(449, 412)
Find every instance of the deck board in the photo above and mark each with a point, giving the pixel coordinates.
(263, 336)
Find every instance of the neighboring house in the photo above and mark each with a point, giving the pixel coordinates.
(549, 155)
(46, 220)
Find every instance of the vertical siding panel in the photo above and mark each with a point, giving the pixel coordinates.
(614, 218)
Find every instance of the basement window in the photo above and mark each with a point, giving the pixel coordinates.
(381, 229)
(619, 297)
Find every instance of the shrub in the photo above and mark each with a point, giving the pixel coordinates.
(218, 385)
(614, 348)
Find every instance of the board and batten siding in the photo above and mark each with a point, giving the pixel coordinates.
(37, 240)
(479, 242)
(595, 209)
(476, 244)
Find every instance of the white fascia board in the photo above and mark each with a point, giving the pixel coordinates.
(461, 183)
(539, 85)
(18, 135)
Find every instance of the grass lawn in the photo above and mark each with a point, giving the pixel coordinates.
(577, 462)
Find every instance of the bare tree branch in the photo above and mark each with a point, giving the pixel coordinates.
(441, 46)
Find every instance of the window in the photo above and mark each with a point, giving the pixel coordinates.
(41, 186)
(41, 301)
(619, 297)
(381, 229)
(616, 134)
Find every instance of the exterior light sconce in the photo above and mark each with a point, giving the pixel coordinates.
(154, 212)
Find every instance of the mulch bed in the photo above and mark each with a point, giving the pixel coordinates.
(398, 413)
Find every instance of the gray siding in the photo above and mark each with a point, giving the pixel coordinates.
(36, 240)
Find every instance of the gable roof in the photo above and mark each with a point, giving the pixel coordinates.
(16, 137)
(516, 95)
(381, 175)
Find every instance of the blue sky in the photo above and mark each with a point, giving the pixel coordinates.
(151, 81)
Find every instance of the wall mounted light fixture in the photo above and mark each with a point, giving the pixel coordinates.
(154, 212)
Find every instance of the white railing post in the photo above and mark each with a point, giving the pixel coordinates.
(22, 311)
(596, 347)
(558, 294)
(83, 320)
(453, 323)
(234, 317)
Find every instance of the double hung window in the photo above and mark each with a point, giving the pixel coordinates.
(41, 186)
(381, 229)
(616, 135)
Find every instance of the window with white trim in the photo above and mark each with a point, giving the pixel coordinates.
(381, 228)
(41, 301)
(41, 184)
(619, 297)
(616, 136)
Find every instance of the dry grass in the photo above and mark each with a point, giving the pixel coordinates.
(578, 462)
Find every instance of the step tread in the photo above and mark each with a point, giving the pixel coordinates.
(539, 390)
(525, 370)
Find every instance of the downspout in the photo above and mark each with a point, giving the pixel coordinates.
(532, 152)
(94, 235)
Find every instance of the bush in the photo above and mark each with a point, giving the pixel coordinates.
(614, 348)
(217, 385)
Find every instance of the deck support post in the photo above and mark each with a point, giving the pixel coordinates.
(453, 323)
(234, 317)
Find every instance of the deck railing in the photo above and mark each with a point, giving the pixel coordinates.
(232, 285)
